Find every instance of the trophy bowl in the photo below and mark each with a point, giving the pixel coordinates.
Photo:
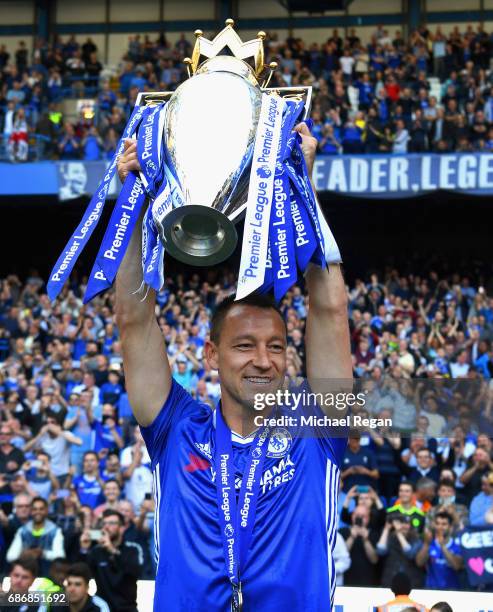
(209, 131)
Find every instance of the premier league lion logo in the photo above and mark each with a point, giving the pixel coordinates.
(263, 172)
(280, 442)
(151, 167)
(229, 530)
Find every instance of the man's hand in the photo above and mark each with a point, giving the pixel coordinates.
(85, 540)
(128, 161)
(105, 542)
(308, 145)
(12, 466)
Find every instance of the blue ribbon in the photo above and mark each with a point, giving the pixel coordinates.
(304, 236)
(74, 247)
(295, 237)
(281, 238)
(237, 519)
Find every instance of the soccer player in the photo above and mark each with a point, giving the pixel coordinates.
(277, 555)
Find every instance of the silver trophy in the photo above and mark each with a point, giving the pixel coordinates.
(210, 125)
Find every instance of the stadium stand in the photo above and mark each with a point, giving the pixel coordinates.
(429, 92)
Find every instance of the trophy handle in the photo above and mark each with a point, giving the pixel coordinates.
(294, 93)
(147, 98)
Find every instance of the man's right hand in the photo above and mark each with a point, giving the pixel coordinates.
(128, 161)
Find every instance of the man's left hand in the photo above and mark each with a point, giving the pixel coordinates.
(308, 146)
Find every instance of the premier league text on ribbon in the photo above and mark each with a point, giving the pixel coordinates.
(263, 161)
(122, 225)
(77, 241)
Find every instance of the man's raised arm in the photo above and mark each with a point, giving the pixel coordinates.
(145, 361)
(328, 349)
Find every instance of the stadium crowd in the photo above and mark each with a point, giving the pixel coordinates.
(368, 98)
(75, 477)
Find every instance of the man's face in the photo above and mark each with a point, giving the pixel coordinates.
(446, 492)
(77, 589)
(22, 508)
(423, 459)
(442, 526)
(111, 492)
(90, 464)
(20, 579)
(112, 527)
(354, 444)
(112, 464)
(5, 434)
(250, 354)
(481, 457)
(362, 513)
(405, 494)
(39, 512)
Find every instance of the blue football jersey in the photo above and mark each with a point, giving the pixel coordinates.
(289, 564)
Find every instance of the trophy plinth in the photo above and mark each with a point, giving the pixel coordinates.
(198, 236)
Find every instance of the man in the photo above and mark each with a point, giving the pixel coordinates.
(482, 503)
(359, 466)
(424, 468)
(22, 575)
(111, 493)
(361, 540)
(107, 432)
(247, 346)
(11, 458)
(40, 536)
(441, 555)
(405, 506)
(57, 443)
(401, 587)
(479, 466)
(21, 512)
(77, 590)
(88, 485)
(116, 564)
(137, 475)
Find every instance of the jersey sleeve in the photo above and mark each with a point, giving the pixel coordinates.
(178, 403)
(331, 438)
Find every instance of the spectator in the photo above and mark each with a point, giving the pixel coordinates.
(424, 467)
(40, 536)
(482, 503)
(111, 493)
(401, 137)
(401, 586)
(89, 486)
(91, 144)
(136, 465)
(41, 479)
(405, 506)
(18, 139)
(440, 555)
(22, 575)
(480, 465)
(116, 565)
(11, 457)
(108, 434)
(78, 577)
(56, 442)
(448, 502)
(398, 546)
(361, 542)
(69, 145)
(359, 466)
